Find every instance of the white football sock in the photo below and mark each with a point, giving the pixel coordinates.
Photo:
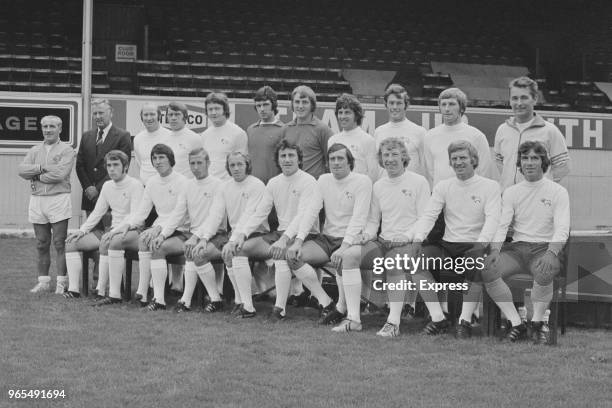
(232, 277)
(308, 276)
(206, 273)
(351, 279)
(282, 279)
(242, 273)
(102, 275)
(116, 267)
(144, 274)
(159, 272)
(501, 294)
(191, 280)
(541, 295)
(341, 303)
(74, 265)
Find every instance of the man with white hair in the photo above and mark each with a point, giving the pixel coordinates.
(48, 166)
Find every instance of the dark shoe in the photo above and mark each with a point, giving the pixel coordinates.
(276, 315)
(108, 301)
(300, 300)
(154, 306)
(180, 307)
(236, 309)
(213, 307)
(517, 333)
(71, 295)
(245, 314)
(408, 312)
(464, 330)
(435, 328)
(540, 332)
(331, 315)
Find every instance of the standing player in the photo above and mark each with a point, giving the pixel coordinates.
(152, 134)
(94, 145)
(362, 146)
(397, 202)
(453, 103)
(223, 137)
(307, 131)
(297, 199)
(526, 125)
(121, 194)
(264, 135)
(539, 210)
(181, 140)
(194, 203)
(161, 191)
(471, 207)
(397, 102)
(48, 167)
(346, 200)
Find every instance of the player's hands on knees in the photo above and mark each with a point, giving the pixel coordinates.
(546, 264)
(278, 249)
(229, 251)
(149, 235)
(199, 249)
(75, 236)
(294, 252)
(189, 245)
(336, 256)
(491, 259)
(157, 242)
(106, 239)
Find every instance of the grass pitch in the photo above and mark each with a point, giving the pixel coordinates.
(123, 356)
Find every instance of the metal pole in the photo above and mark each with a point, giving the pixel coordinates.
(146, 42)
(86, 63)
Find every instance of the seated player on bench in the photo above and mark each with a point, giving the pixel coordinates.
(121, 194)
(397, 202)
(539, 211)
(346, 200)
(471, 207)
(161, 191)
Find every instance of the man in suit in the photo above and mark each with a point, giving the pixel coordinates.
(94, 145)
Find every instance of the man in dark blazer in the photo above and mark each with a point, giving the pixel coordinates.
(94, 145)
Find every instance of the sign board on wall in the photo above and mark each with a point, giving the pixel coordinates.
(20, 119)
(126, 52)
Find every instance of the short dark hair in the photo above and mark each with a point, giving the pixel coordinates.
(161, 148)
(246, 157)
(218, 98)
(349, 156)
(118, 155)
(399, 91)
(525, 83)
(179, 107)
(266, 93)
(283, 145)
(348, 101)
(538, 148)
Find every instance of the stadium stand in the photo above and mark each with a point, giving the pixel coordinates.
(192, 50)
